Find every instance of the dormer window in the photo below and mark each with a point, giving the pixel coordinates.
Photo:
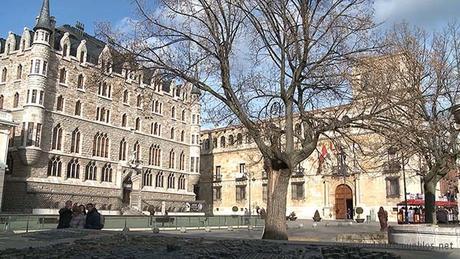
(65, 50)
(82, 57)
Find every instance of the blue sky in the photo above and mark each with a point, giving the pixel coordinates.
(16, 14)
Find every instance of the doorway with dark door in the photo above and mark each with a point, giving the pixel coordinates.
(343, 202)
(127, 189)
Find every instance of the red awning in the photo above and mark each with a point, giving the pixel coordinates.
(420, 202)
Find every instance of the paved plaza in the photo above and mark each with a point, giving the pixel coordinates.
(306, 241)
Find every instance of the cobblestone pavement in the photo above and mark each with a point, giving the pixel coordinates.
(138, 245)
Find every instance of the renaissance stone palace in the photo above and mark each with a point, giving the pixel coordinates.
(92, 127)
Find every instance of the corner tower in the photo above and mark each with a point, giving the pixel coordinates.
(34, 110)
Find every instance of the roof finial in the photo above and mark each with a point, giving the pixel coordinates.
(44, 19)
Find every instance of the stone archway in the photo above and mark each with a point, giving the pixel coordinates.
(343, 202)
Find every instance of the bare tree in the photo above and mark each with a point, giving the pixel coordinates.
(271, 63)
(426, 76)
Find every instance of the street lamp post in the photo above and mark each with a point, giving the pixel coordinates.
(406, 212)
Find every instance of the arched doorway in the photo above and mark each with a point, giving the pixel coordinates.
(127, 189)
(343, 202)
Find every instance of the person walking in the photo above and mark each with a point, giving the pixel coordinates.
(65, 215)
(78, 218)
(93, 218)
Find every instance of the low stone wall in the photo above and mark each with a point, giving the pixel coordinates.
(363, 238)
(427, 236)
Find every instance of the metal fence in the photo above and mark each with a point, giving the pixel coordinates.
(19, 223)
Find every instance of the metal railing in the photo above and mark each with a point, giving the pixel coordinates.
(20, 223)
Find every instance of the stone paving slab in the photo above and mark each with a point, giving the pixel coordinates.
(146, 245)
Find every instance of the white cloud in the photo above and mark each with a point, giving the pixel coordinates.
(430, 14)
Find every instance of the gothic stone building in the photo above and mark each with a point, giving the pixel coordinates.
(92, 128)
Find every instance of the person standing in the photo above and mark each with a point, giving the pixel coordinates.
(383, 219)
(78, 218)
(93, 218)
(65, 215)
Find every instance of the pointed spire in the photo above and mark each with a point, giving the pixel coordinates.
(44, 19)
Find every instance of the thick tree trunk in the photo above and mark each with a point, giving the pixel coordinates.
(275, 220)
(430, 198)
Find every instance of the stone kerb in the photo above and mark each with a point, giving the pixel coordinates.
(428, 236)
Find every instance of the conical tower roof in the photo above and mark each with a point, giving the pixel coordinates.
(44, 19)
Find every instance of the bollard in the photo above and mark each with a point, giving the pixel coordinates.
(230, 228)
(207, 229)
(300, 225)
(183, 230)
(250, 227)
(155, 230)
(315, 225)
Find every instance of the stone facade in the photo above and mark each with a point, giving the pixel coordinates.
(78, 103)
(6, 124)
(312, 187)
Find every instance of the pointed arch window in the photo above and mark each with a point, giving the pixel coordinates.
(78, 108)
(16, 100)
(154, 155)
(106, 173)
(230, 140)
(73, 169)
(172, 133)
(137, 151)
(171, 181)
(139, 101)
(173, 112)
(182, 136)
(125, 96)
(138, 124)
(1, 101)
(57, 138)
(122, 154)
(148, 178)
(65, 50)
(4, 75)
(60, 103)
(19, 72)
(62, 76)
(80, 81)
(159, 180)
(91, 171)
(75, 145)
(181, 182)
(182, 161)
(124, 120)
(172, 158)
(101, 145)
(55, 166)
(183, 115)
(82, 56)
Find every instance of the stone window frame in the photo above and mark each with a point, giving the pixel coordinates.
(106, 173)
(124, 120)
(73, 169)
(388, 182)
(123, 150)
(101, 145)
(60, 103)
(171, 181)
(91, 171)
(78, 111)
(57, 138)
(4, 75)
(75, 145)
(181, 182)
(159, 180)
(137, 151)
(81, 82)
(297, 190)
(147, 178)
(54, 167)
(182, 161)
(63, 76)
(240, 192)
(217, 193)
(172, 159)
(138, 124)
(19, 69)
